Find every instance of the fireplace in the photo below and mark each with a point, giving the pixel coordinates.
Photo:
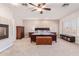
(4, 31)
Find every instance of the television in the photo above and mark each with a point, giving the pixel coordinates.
(4, 31)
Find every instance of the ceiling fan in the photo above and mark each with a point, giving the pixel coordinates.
(40, 7)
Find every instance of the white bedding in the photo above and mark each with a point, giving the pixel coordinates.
(42, 33)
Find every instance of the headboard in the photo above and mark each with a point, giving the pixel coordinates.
(42, 29)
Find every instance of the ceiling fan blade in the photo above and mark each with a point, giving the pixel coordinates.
(41, 12)
(34, 9)
(47, 9)
(32, 4)
(43, 3)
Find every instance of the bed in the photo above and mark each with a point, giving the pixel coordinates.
(43, 32)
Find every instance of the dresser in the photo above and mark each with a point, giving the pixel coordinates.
(68, 38)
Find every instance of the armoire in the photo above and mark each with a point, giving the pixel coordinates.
(19, 32)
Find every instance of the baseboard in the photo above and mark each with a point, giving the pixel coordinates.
(3, 49)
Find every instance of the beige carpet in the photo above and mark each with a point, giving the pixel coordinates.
(25, 48)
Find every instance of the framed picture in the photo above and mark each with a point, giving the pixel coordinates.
(4, 31)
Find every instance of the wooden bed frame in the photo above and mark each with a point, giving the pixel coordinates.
(33, 37)
(42, 29)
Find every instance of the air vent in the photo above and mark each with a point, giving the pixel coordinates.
(24, 4)
(65, 5)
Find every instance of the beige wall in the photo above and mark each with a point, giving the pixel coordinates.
(30, 25)
(6, 17)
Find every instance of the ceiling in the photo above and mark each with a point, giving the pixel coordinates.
(57, 11)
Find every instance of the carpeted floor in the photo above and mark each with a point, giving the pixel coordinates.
(25, 48)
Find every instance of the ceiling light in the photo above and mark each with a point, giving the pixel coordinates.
(39, 9)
